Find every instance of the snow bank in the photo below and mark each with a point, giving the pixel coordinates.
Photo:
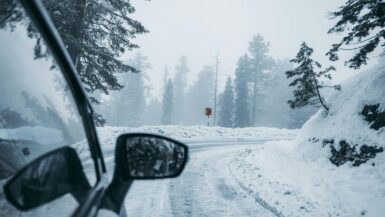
(298, 178)
(190, 134)
(276, 175)
(345, 121)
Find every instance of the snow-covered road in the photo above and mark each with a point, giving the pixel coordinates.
(249, 172)
(206, 188)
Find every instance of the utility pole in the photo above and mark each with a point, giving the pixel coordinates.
(216, 89)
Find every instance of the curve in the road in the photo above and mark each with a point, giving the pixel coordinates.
(206, 188)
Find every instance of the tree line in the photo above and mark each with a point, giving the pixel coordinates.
(178, 104)
(268, 92)
(258, 94)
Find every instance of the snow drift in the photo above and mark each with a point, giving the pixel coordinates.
(353, 130)
(336, 165)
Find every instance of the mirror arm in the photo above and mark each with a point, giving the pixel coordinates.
(80, 194)
(116, 192)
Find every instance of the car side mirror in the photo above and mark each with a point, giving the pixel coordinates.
(149, 156)
(46, 178)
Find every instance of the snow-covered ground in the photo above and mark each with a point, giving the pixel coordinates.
(195, 134)
(205, 188)
(345, 121)
(297, 177)
(261, 179)
(295, 186)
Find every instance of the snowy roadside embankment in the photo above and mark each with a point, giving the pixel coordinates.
(353, 130)
(275, 175)
(195, 134)
(336, 165)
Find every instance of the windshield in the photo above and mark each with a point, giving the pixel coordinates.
(37, 110)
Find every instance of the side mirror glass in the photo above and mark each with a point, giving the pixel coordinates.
(48, 177)
(148, 156)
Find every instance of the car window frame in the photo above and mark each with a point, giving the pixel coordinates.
(42, 21)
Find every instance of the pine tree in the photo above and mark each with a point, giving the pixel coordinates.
(259, 62)
(226, 105)
(364, 22)
(153, 112)
(307, 81)
(180, 85)
(242, 110)
(132, 100)
(276, 112)
(95, 33)
(168, 103)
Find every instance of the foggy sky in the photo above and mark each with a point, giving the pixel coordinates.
(198, 28)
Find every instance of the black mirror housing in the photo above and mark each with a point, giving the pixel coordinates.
(48, 177)
(143, 156)
(149, 156)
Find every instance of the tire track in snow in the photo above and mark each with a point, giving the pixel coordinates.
(207, 188)
(256, 196)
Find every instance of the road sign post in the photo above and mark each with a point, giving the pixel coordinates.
(208, 113)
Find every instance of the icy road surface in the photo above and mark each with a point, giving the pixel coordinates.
(207, 187)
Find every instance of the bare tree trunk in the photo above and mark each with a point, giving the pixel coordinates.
(319, 94)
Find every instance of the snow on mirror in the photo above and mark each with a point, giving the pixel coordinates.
(151, 157)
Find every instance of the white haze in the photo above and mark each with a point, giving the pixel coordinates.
(198, 28)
